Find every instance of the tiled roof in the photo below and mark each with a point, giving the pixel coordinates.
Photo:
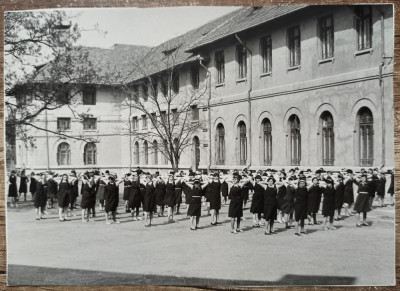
(247, 18)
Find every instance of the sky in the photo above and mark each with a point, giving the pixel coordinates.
(141, 26)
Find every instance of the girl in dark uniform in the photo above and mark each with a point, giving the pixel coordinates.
(380, 189)
(288, 202)
(178, 195)
(135, 197)
(235, 211)
(339, 196)
(194, 211)
(101, 188)
(51, 191)
(224, 191)
(314, 200)
(362, 201)
(214, 196)
(391, 187)
(23, 185)
(41, 196)
(12, 189)
(127, 190)
(270, 205)
(257, 202)
(74, 190)
(160, 195)
(348, 198)
(300, 206)
(32, 186)
(149, 201)
(328, 205)
(63, 197)
(169, 199)
(111, 195)
(88, 196)
(281, 196)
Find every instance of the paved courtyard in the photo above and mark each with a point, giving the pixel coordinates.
(49, 252)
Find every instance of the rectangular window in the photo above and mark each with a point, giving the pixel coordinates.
(175, 82)
(63, 123)
(175, 116)
(163, 116)
(164, 85)
(90, 123)
(363, 15)
(241, 60)
(145, 91)
(266, 54)
(293, 38)
(89, 95)
(136, 93)
(135, 123)
(325, 27)
(144, 122)
(154, 87)
(220, 66)
(154, 120)
(195, 76)
(195, 113)
(62, 96)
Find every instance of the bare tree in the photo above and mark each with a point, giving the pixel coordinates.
(171, 110)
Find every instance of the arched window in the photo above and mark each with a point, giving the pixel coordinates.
(328, 139)
(63, 154)
(366, 144)
(242, 143)
(196, 144)
(220, 144)
(136, 153)
(295, 140)
(146, 153)
(155, 152)
(89, 155)
(267, 141)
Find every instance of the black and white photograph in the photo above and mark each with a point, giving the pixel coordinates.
(242, 146)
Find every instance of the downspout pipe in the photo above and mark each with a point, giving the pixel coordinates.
(209, 111)
(249, 89)
(381, 86)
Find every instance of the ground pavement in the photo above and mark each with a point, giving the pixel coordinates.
(49, 252)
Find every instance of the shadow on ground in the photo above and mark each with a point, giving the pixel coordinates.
(20, 275)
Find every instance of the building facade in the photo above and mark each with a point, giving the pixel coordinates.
(307, 86)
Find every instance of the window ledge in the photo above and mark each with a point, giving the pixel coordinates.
(266, 74)
(64, 130)
(90, 130)
(327, 60)
(294, 68)
(220, 85)
(363, 52)
(241, 80)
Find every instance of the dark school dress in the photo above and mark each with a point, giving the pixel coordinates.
(236, 204)
(214, 195)
(328, 205)
(32, 185)
(111, 196)
(245, 191)
(300, 203)
(135, 194)
(281, 196)
(270, 203)
(195, 202)
(41, 195)
(127, 189)
(178, 193)
(206, 193)
(187, 191)
(23, 184)
(391, 186)
(74, 190)
(288, 201)
(160, 193)
(88, 195)
(380, 187)
(257, 203)
(101, 188)
(149, 199)
(224, 189)
(339, 195)
(63, 194)
(52, 189)
(12, 188)
(373, 184)
(314, 199)
(169, 199)
(362, 201)
(348, 191)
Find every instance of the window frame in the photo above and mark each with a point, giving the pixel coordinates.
(195, 76)
(93, 153)
(89, 95)
(327, 139)
(326, 36)
(241, 62)
(63, 153)
(361, 20)
(294, 51)
(59, 122)
(267, 141)
(85, 123)
(220, 67)
(266, 54)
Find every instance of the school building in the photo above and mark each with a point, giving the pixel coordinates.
(306, 86)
